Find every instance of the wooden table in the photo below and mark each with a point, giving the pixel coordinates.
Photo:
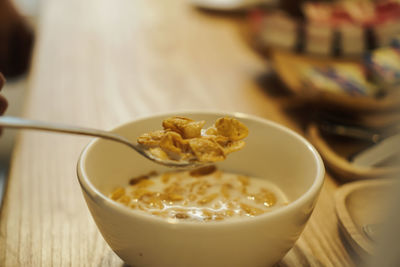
(99, 63)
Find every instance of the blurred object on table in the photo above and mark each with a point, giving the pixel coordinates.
(333, 84)
(16, 41)
(384, 150)
(387, 251)
(362, 209)
(384, 65)
(338, 78)
(231, 5)
(3, 100)
(327, 28)
(344, 101)
(343, 166)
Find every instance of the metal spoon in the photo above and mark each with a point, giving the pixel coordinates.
(14, 122)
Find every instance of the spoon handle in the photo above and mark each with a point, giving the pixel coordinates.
(21, 123)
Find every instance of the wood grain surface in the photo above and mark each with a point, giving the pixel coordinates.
(99, 63)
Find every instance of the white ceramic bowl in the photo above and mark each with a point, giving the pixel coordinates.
(272, 152)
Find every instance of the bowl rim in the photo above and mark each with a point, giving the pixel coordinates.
(91, 191)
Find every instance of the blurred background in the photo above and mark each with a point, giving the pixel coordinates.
(333, 67)
(14, 90)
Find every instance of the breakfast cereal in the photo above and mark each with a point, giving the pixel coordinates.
(185, 139)
(204, 194)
